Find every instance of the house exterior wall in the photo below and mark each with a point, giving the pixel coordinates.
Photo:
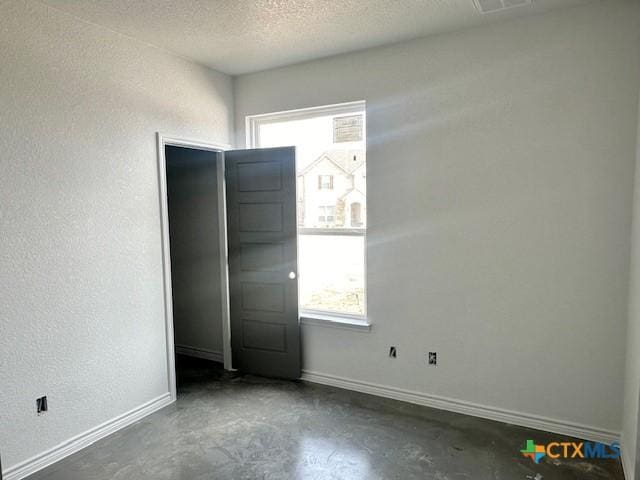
(315, 197)
(360, 178)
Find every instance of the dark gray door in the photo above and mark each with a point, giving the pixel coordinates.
(261, 218)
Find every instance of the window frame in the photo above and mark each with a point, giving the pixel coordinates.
(325, 186)
(252, 133)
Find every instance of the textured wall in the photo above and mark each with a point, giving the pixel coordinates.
(631, 420)
(81, 297)
(500, 169)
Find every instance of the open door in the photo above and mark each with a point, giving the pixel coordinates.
(261, 233)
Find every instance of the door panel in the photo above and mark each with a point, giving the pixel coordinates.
(259, 257)
(264, 336)
(260, 177)
(261, 217)
(262, 297)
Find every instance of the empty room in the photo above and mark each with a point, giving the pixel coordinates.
(313, 239)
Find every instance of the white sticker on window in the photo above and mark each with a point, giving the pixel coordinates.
(347, 129)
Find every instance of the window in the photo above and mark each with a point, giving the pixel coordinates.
(327, 215)
(331, 201)
(325, 182)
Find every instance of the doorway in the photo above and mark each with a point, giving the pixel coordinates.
(195, 252)
(230, 256)
(194, 248)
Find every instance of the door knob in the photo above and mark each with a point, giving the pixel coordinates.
(292, 275)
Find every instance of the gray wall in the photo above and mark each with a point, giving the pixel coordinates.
(195, 250)
(631, 419)
(500, 177)
(81, 292)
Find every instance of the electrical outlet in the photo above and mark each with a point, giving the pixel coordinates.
(393, 353)
(41, 405)
(433, 358)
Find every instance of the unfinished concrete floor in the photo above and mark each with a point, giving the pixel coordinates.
(243, 427)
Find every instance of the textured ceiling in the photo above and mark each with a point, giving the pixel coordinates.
(240, 36)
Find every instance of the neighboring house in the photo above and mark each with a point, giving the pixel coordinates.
(332, 191)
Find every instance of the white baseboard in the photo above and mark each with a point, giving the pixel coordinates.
(200, 353)
(77, 443)
(458, 406)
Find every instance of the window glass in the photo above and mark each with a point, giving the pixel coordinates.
(331, 202)
(325, 182)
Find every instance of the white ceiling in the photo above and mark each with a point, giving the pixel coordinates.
(240, 36)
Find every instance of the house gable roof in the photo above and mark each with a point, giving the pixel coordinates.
(346, 160)
(350, 191)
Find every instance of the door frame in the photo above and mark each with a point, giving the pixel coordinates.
(162, 142)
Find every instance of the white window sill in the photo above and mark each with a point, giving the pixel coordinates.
(335, 321)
